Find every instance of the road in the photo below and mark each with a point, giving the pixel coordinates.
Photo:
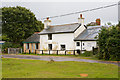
(56, 58)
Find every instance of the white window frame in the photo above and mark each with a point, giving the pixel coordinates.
(62, 48)
(77, 42)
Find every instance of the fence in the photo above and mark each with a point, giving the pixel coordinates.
(57, 52)
(14, 50)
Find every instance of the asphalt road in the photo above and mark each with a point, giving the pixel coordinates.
(56, 58)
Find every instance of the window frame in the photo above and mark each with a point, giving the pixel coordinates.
(83, 44)
(62, 47)
(77, 43)
(49, 36)
(49, 48)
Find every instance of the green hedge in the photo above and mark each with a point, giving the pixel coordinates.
(87, 53)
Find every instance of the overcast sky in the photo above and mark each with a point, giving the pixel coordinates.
(45, 9)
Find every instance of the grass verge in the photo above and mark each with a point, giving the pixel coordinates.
(23, 68)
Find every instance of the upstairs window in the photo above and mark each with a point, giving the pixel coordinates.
(62, 47)
(50, 46)
(77, 43)
(49, 36)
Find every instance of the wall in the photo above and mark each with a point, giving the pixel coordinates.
(87, 45)
(57, 40)
(24, 47)
(30, 47)
(79, 30)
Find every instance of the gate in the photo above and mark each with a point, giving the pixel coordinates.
(14, 50)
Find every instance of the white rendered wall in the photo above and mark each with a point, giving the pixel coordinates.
(66, 38)
(87, 45)
(79, 30)
(57, 40)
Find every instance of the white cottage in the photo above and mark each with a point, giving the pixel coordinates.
(75, 36)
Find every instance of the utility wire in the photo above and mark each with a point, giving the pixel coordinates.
(93, 9)
(83, 11)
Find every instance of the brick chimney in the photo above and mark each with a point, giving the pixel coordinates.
(81, 20)
(98, 21)
(47, 23)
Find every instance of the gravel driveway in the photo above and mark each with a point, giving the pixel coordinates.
(56, 58)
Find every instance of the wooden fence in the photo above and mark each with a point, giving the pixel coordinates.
(57, 52)
(14, 50)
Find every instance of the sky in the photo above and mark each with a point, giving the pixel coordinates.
(43, 9)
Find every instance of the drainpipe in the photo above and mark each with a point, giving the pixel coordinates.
(81, 45)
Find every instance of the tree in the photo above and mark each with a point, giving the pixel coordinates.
(19, 23)
(0, 24)
(109, 43)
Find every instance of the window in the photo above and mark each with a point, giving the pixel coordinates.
(27, 46)
(49, 36)
(36, 46)
(78, 43)
(62, 47)
(83, 44)
(50, 46)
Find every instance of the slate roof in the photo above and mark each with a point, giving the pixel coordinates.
(34, 38)
(89, 34)
(67, 28)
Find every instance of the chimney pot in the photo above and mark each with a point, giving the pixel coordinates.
(98, 21)
(80, 15)
(47, 23)
(47, 18)
(81, 20)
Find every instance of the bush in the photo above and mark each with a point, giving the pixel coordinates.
(87, 53)
(109, 43)
(7, 45)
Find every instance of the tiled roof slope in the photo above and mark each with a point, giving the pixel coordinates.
(34, 38)
(89, 34)
(61, 28)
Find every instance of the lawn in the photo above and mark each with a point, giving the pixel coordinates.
(23, 68)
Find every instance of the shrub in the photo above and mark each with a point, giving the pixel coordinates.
(87, 53)
(7, 45)
(109, 43)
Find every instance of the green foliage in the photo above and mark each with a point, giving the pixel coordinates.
(87, 53)
(4, 37)
(109, 23)
(7, 45)
(19, 23)
(109, 43)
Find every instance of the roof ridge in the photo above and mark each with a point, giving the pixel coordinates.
(63, 24)
(93, 27)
